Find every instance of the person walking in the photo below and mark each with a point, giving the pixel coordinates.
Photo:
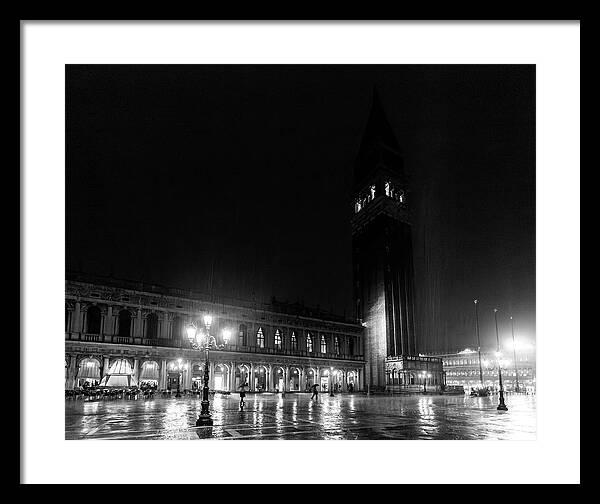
(242, 388)
(315, 392)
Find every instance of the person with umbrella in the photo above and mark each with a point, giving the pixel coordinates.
(315, 392)
(242, 388)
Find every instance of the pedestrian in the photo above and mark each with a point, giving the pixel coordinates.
(242, 388)
(315, 392)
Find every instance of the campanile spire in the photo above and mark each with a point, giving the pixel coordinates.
(382, 247)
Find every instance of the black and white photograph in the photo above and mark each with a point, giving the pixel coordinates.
(300, 252)
(290, 252)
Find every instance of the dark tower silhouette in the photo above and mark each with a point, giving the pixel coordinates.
(382, 248)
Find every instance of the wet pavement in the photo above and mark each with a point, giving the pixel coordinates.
(295, 416)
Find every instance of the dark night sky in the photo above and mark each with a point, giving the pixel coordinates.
(171, 169)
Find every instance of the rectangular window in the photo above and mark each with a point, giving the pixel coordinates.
(323, 344)
(336, 342)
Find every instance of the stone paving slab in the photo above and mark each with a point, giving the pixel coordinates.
(296, 416)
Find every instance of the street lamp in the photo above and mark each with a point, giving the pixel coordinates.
(475, 301)
(200, 340)
(512, 325)
(501, 405)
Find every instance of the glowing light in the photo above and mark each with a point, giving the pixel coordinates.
(519, 346)
(191, 332)
(226, 335)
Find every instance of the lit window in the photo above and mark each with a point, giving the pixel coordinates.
(336, 342)
(323, 344)
(357, 205)
(278, 339)
(260, 338)
(294, 341)
(372, 192)
(309, 343)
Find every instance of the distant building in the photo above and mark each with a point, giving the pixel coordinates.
(462, 368)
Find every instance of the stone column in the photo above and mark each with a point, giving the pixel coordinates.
(251, 377)
(211, 370)
(109, 322)
(188, 375)
(139, 327)
(302, 380)
(162, 383)
(76, 321)
(344, 380)
(269, 380)
(318, 377)
(286, 379)
(136, 370)
(72, 372)
(232, 377)
(105, 367)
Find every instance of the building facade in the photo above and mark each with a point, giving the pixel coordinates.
(383, 263)
(462, 368)
(138, 333)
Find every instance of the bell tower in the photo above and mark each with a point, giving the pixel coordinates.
(382, 248)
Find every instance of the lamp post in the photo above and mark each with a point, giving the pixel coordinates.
(200, 341)
(475, 301)
(501, 405)
(512, 325)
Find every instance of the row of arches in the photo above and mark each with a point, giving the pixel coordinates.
(227, 377)
(397, 377)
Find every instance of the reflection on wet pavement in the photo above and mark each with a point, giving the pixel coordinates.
(296, 416)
